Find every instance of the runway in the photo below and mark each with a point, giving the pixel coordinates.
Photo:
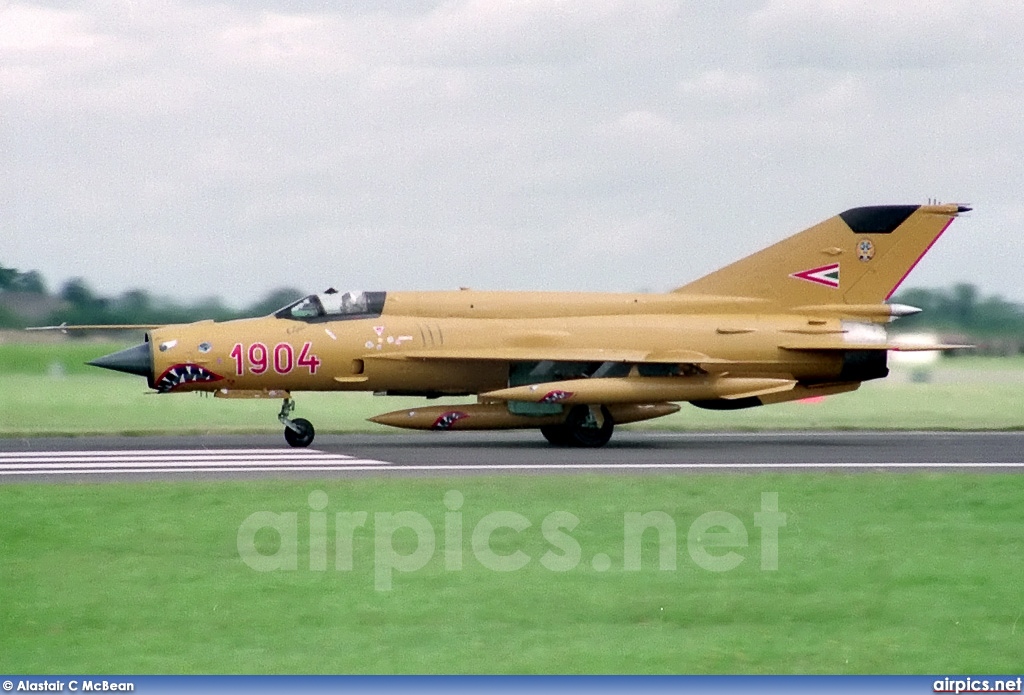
(266, 456)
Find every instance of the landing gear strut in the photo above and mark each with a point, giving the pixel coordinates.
(298, 432)
(586, 426)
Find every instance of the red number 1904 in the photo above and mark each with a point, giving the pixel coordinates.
(281, 359)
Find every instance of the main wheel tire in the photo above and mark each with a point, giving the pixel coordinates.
(581, 430)
(557, 435)
(304, 437)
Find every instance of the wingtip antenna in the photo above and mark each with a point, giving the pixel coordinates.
(63, 328)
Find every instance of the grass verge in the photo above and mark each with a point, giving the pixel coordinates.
(46, 389)
(33, 405)
(877, 573)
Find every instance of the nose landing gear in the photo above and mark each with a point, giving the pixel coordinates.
(298, 432)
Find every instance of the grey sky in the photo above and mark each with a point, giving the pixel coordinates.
(198, 149)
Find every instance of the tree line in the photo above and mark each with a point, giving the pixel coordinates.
(25, 300)
(961, 309)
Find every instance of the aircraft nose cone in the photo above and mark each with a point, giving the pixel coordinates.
(133, 360)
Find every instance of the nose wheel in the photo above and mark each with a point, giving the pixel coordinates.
(298, 432)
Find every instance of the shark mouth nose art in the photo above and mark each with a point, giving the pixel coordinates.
(184, 374)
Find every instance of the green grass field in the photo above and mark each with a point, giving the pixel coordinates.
(47, 389)
(876, 574)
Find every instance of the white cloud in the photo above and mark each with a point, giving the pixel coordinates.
(576, 144)
(28, 29)
(844, 34)
(732, 87)
(317, 44)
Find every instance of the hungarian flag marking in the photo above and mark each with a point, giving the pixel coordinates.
(827, 275)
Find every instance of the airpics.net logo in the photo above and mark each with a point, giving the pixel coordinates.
(407, 541)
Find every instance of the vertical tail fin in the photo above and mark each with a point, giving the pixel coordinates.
(857, 257)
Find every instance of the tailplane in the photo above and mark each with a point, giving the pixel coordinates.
(857, 257)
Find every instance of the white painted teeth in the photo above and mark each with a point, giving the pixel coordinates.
(183, 374)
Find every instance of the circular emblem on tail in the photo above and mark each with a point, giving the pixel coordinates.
(865, 250)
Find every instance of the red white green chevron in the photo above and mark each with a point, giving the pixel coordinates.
(827, 275)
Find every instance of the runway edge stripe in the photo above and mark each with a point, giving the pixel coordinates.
(368, 465)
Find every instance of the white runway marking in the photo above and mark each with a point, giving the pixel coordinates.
(312, 460)
(687, 466)
(695, 467)
(178, 461)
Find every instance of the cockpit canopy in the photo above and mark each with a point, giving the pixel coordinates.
(332, 305)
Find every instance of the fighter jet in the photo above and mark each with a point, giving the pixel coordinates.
(804, 317)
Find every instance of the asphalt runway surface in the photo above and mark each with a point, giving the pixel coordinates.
(218, 457)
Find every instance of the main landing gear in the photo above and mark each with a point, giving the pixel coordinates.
(298, 432)
(586, 426)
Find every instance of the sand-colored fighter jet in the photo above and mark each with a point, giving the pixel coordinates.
(804, 317)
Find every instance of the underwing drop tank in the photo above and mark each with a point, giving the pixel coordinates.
(628, 390)
(496, 416)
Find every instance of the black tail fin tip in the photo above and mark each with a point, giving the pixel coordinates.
(877, 219)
